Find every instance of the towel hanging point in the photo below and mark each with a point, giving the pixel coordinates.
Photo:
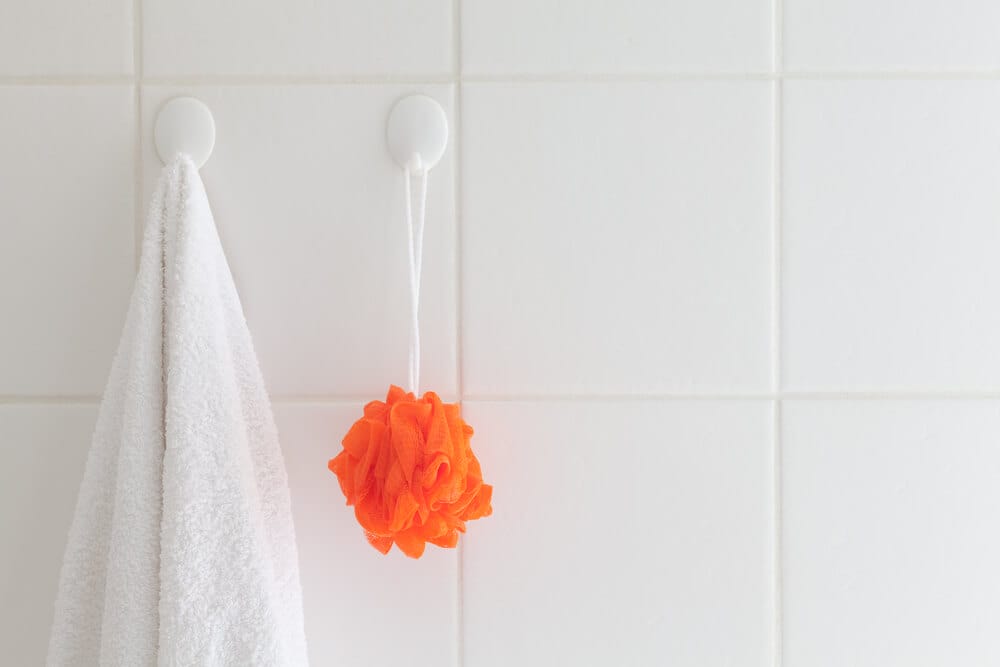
(417, 132)
(185, 125)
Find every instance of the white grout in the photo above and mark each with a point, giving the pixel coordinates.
(50, 400)
(111, 80)
(137, 71)
(298, 80)
(456, 133)
(932, 75)
(762, 396)
(356, 399)
(778, 536)
(778, 65)
(432, 79)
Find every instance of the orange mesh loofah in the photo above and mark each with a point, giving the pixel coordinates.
(408, 470)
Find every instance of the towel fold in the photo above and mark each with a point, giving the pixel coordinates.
(182, 549)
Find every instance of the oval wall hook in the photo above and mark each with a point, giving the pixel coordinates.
(417, 132)
(185, 125)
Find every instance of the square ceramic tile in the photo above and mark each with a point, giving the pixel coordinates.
(66, 38)
(889, 533)
(891, 35)
(617, 238)
(310, 208)
(623, 533)
(553, 37)
(44, 451)
(297, 37)
(890, 235)
(66, 243)
(361, 608)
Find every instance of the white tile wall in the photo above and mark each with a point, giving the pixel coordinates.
(716, 283)
(44, 453)
(593, 229)
(894, 35)
(67, 255)
(627, 36)
(890, 540)
(625, 533)
(891, 232)
(66, 38)
(297, 38)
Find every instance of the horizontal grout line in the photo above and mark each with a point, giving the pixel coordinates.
(876, 75)
(593, 398)
(637, 77)
(354, 399)
(49, 400)
(305, 80)
(625, 77)
(112, 80)
(763, 396)
(437, 79)
(889, 395)
(324, 399)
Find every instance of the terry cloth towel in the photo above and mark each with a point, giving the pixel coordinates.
(182, 550)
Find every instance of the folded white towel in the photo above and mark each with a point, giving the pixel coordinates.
(182, 550)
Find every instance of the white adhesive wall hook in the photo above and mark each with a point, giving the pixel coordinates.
(185, 125)
(417, 133)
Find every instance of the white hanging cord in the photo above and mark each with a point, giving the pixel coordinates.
(415, 232)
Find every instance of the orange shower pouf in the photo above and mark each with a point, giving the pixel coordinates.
(409, 471)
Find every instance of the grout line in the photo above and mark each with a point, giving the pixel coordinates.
(82, 399)
(900, 395)
(597, 397)
(267, 80)
(138, 59)
(777, 174)
(778, 535)
(432, 79)
(85, 80)
(777, 37)
(459, 219)
(760, 396)
(319, 399)
(890, 75)
(777, 164)
(777, 161)
(456, 39)
(137, 68)
(352, 399)
(623, 77)
(696, 75)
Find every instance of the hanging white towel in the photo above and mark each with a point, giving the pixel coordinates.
(182, 549)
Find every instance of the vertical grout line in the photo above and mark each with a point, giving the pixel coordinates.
(456, 48)
(778, 65)
(776, 459)
(457, 192)
(137, 73)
